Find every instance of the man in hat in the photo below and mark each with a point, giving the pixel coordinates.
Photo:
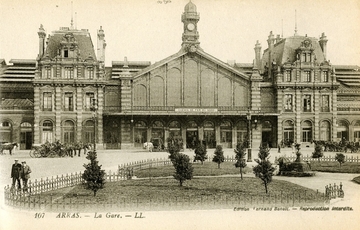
(25, 175)
(15, 174)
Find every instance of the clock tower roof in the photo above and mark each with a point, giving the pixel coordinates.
(190, 8)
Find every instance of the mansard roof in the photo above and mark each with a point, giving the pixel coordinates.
(82, 39)
(285, 50)
(16, 102)
(199, 52)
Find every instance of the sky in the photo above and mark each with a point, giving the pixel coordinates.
(151, 30)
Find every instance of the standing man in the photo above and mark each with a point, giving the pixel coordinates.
(25, 174)
(15, 174)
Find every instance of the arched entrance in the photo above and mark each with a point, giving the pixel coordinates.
(47, 131)
(342, 130)
(209, 134)
(157, 134)
(241, 132)
(226, 134)
(357, 131)
(140, 134)
(175, 130)
(192, 135)
(88, 132)
(325, 131)
(112, 135)
(306, 131)
(68, 132)
(288, 133)
(26, 135)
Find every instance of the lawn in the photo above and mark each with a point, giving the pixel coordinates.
(212, 187)
(328, 166)
(206, 169)
(198, 193)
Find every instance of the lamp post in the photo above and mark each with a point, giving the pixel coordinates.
(248, 117)
(94, 108)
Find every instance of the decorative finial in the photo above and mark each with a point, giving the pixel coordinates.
(295, 24)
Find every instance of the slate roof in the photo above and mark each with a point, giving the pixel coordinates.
(348, 75)
(82, 37)
(285, 50)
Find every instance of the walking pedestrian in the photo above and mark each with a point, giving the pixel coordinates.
(15, 174)
(25, 175)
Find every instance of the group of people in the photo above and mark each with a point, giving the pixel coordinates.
(20, 171)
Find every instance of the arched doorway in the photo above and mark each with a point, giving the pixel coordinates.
(140, 133)
(306, 131)
(157, 134)
(325, 131)
(226, 134)
(192, 135)
(342, 130)
(88, 132)
(68, 132)
(47, 131)
(26, 135)
(209, 134)
(175, 130)
(241, 133)
(288, 133)
(112, 135)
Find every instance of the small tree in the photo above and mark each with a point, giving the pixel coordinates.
(93, 175)
(200, 153)
(264, 169)
(183, 167)
(240, 157)
(219, 155)
(340, 158)
(319, 152)
(181, 162)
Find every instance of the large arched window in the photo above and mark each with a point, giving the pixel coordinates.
(88, 132)
(226, 134)
(306, 129)
(325, 131)
(209, 134)
(342, 130)
(68, 132)
(47, 131)
(140, 133)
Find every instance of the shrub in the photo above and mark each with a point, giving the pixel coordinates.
(93, 175)
(200, 153)
(340, 158)
(264, 170)
(240, 152)
(219, 155)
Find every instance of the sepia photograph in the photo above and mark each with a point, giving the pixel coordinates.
(180, 114)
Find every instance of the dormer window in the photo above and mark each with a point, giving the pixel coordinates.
(66, 53)
(325, 76)
(288, 76)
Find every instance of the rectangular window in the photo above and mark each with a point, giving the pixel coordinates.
(325, 103)
(89, 100)
(325, 76)
(66, 53)
(69, 102)
(307, 103)
(47, 101)
(288, 76)
(90, 73)
(47, 72)
(307, 76)
(69, 72)
(288, 102)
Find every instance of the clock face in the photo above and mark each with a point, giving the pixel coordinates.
(191, 26)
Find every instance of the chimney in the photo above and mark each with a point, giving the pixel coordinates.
(278, 39)
(271, 47)
(42, 36)
(101, 45)
(257, 55)
(323, 42)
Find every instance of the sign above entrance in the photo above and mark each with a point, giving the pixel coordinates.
(203, 110)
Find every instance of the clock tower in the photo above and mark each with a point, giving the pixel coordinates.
(190, 18)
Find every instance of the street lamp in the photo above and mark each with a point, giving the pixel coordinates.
(94, 108)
